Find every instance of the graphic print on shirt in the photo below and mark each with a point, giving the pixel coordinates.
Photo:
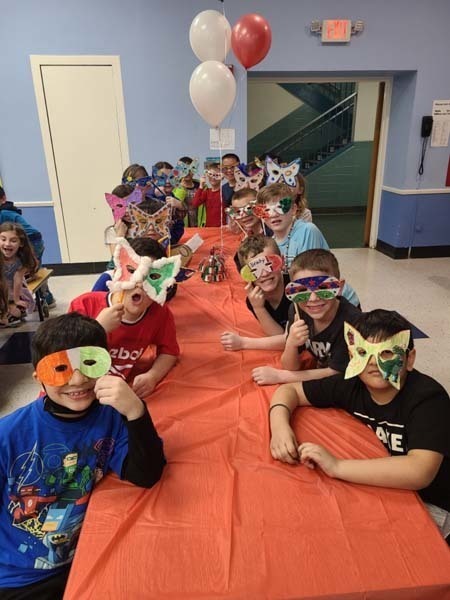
(123, 360)
(391, 435)
(321, 351)
(48, 493)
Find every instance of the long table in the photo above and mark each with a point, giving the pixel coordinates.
(226, 520)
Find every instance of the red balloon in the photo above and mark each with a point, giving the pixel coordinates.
(250, 39)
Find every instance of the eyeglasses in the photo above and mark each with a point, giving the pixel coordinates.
(325, 288)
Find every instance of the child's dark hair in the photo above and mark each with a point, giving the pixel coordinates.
(187, 160)
(316, 260)
(150, 206)
(380, 325)
(255, 245)
(231, 155)
(244, 193)
(274, 192)
(123, 190)
(147, 247)
(67, 331)
(162, 164)
(25, 252)
(133, 172)
(2, 193)
(212, 165)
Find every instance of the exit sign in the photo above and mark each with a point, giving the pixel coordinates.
(336, 30)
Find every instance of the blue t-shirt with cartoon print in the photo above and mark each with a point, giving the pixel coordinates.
(48, 468)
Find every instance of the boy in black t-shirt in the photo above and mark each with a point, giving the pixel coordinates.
(261, 263)
(316, 325)
(408, 411)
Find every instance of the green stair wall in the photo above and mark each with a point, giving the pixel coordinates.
(342, 182)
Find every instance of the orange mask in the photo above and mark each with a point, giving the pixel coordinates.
(57, 369)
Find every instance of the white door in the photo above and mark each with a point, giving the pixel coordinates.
(83, 126)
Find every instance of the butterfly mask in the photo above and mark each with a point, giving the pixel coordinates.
(390, 354)
(261, 265)
(154, 275)
(323, 286)
(119, 205)
(186, 169)
(56, 369)
(243, 180)
(143, 224)
(286, 174)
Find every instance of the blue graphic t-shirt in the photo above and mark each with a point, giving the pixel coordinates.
(48, 468)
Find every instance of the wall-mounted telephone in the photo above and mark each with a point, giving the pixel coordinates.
(427, 126)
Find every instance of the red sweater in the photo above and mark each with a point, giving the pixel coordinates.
(211, 200)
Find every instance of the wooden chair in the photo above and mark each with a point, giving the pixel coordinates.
(35, 287)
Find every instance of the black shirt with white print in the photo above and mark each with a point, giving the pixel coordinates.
(329, 345)
(280, 313)
(417, 418)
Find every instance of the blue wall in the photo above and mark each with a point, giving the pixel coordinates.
(405, 38)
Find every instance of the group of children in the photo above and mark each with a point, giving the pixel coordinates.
(99, 362)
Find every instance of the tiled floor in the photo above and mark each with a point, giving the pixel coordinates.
(418, 288)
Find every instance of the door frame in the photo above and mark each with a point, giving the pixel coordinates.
(37, 61)
(383, 134)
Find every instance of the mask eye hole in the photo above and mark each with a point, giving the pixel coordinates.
(386, 354)
(154, 276)
(60, 368)
(89, 362)
(130, 269)
(361, 351)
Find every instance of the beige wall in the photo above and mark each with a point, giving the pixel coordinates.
(366, 109)
(267, 103)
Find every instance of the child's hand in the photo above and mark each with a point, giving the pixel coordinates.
(255, 295)
(313, 454)
(115, 392)
(174, 203)
(144, 384)
(202, 182)
(298, 333)
(283, 444)
(231, 341)
(15, 311)
(111, 317)
(120, 228)
(267, 376)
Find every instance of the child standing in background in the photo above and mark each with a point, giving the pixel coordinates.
(303, 212)
(19, 260)
(190, 187)
(6, 320)
(210, 196)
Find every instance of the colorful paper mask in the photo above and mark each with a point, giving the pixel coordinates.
(324, 286)
(261, 265)
(390, 354)
(57, 369)
(119, 205)
(287, 174)
(141, 181)
(185, 169)
(154, 275)
(244, 180)
(265, 211)
(243, 211)
(142, 221)
(213, 175)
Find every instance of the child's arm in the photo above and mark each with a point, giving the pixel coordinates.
(19, 278)
(110, 317)
(298, 336)
(271, 376)
(200, 196)
(413, 471)
(233, 341)
(257, 299)
(144, 384)
(145, 460)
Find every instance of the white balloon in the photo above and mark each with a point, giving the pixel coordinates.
(212, 89)
(210, 36)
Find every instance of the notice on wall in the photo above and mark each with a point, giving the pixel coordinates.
(441, 123)
(221, 139)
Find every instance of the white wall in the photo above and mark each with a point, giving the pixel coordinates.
(366, 110)
(267, 104)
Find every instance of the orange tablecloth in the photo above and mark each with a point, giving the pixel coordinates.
(227, 521)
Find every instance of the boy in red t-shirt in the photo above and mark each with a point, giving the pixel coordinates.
(134, 316)
(210, 196)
